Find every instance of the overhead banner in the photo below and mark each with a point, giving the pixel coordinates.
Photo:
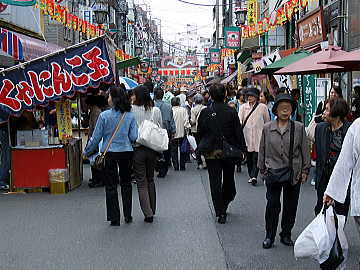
(215, 56)
(51, 78)
(232, 37)
(23, 3)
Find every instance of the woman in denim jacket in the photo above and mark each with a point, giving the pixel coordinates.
(118, 159)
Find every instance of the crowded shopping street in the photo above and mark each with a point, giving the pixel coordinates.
(180, 134)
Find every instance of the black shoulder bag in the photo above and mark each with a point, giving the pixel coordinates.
(228, 150)
(285, 174)
(250, 113)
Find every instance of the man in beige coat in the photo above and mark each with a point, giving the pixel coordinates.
(253, 115)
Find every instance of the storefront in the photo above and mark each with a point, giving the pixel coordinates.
(34, 91)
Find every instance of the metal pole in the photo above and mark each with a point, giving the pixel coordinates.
(10, 145)
(79, 114)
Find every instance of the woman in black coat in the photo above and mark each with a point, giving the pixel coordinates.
(217, 121)
(329, 137)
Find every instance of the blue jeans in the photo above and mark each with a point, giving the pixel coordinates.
(4, 156)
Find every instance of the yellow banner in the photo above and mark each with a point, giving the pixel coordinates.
(239, 78)
(63, 114)
(252, 12)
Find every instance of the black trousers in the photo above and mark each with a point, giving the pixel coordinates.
(97, 175)
(164, 166)
(340, 208)
(118, 164)
(198, 155)
(252, 159)
(273, 208)
(175, 145)
(222, 184)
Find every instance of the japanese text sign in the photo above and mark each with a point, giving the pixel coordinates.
(215, 56)
(55, 77)
(311, 29)
(232, 37)
(63, 114)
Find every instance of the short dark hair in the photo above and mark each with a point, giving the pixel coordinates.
(267, 95)
(338, 91)
(142, 97)
(158, 93)
(119, 99)
(295, 92)
(281, 90)
(357, 89)
(149, 85)
(338, 108)
(175, 101)
(217, 92)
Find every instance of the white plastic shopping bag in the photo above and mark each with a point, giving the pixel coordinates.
(318, 237)
(192, 142)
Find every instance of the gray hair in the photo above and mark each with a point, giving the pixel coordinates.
(198, 99)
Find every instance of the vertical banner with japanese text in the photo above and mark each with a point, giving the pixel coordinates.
(232, 37)
(309, 99)
(252, 12)
(63, 115)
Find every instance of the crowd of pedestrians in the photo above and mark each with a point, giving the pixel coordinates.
(266, 130)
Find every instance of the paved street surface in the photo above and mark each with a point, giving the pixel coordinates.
(44, 231)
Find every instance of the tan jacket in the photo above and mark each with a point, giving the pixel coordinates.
(274, 149)
(195, 112)
(254, 126)
(181, 118)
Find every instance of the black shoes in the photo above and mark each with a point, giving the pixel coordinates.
(161, 175)
(222, 219)
(128, 220)
(149, 219)
(115, 223)
(268, 243)
(253, 181)
(93, 184)
(286, 240)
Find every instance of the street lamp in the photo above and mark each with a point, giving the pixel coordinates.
(100, 9)
(240, 13)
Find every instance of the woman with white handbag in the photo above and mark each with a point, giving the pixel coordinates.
(145, 157)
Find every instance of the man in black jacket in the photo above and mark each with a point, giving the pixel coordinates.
(216, 123)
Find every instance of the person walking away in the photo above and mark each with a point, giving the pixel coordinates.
(95, 102)
(216, 122)
(355, 109)
(346, 171)
(118, 158)
(168, 96)
(168, 124)
(182, 122)
(329, 137)
(144, 157)
(253, 115)
(182, 96)
(195, 113)
(274, 153)
(4, 154)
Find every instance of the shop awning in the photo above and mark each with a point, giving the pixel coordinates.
(243, 56)
(55, 76)
(284, 62)
(128, 63)
(229, 78)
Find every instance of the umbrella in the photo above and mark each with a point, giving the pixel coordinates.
(311, 64)
(349, 61)
(284, 62)
(129, 83)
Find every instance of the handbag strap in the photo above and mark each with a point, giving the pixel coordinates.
(248, 116)
(114, 133)
(291, 150)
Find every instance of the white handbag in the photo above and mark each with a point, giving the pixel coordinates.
(153, 136)
(192, 142)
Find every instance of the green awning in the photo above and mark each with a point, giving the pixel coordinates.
(284, 62)
(243, 56)
(128, 63)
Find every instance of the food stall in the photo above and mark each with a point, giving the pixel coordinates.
(52, 80)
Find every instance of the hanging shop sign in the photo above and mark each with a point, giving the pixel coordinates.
(63, 115)
(215, 56)
(63, 16)
(277, 18)
(307, 84)
(252, 11)
(232, 37)
(121, 55)
(23, 3)
(311, 29)
(51, 78)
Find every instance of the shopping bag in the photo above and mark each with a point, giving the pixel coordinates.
(185, 146)
(153, 136)
(192, 142)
